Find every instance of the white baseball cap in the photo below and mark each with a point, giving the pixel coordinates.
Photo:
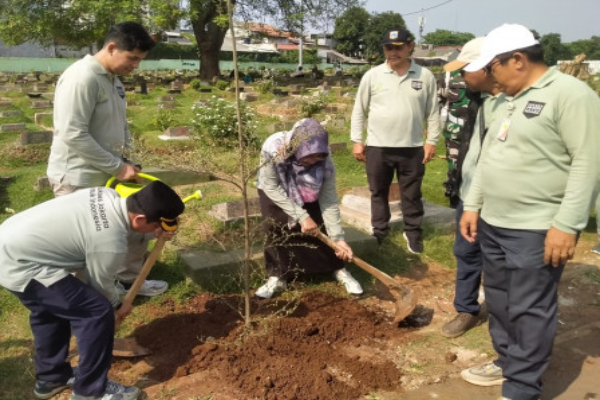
(503, 39)
(469, 53)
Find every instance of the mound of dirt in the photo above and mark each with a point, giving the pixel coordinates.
(325, 348)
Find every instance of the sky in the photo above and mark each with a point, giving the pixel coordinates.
(572, 19)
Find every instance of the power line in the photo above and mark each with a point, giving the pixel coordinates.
(426, 9)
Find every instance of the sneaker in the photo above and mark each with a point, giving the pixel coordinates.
(352, 286)
(415, 246)
(113, 391)
(149, 288)
(484, 375)
(380, 237)
(45, 390)
(461, 324)
(274, 284)
(596, 248)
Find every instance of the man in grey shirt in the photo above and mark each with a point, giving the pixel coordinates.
(397, 96)
(84, 232)
(91, 135)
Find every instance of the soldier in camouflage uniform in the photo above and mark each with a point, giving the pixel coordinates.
(453, 116)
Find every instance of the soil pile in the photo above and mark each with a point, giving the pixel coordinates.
(324, 349)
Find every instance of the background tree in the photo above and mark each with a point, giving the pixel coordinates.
(442, 37)
(79, 23)
(378, 25)
(554, 49)
(591, 48)
(350, 29)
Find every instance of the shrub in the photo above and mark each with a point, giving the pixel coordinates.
(195, 84)
(216, 118)
(266, 86)
(313, 105)
(164, 119)
(222, 85)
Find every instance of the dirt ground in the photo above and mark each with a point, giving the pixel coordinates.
(319, 347)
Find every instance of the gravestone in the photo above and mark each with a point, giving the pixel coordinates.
(166, 98)
(335, 147)
(249, 97)
(29, 137)
(41, 104)
(176, 133)
(167, 106)
(10, 113)
(6, 103)
(39, 117)
(232, 211)
(13, 127)
(41, 184)
(356, 210)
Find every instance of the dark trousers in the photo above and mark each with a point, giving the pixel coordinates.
(71, 305)
(468, 270)
(521, 296)
(288, 252)
(407, 164)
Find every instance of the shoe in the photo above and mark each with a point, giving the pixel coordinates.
(415, 246)
(596, 248)
(149, 288)
(484, 375)
(274, 284)
(379, 237)
(44, 390)
(113, 391)
(461, 324)
(352, 286)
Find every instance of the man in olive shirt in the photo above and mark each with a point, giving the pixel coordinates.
(532, 189)
(397, 96)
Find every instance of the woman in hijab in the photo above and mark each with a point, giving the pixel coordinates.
(296, 183)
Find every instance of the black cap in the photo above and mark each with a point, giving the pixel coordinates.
(158, 202)
(397, 36)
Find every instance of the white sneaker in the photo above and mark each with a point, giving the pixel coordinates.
(274, 284)
(149, 288)
(113, 391)
(352, 286)
(484, 375)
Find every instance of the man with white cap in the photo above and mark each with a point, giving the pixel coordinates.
(482, 94)
(397, 96)
(529, 200)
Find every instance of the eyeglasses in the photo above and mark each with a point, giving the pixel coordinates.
(490, 67)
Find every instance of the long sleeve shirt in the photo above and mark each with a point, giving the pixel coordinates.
(84, 231)
(396, 108)
(269, 182)
(540, 165)
(90, 125)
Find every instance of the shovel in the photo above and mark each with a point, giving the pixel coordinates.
(128, 347)
(406, 299)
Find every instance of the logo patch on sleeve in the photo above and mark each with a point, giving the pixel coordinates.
(417, 85)
(533, 109)
(121, 92)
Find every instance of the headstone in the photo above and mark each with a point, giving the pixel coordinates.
(5, 103)
(12, 127)
(249, 97)
(166, 98)
(40, 87)
(234, 210)
(39, 117)
(36, 137)
(176, 133)
(174, 91)
(335, 147)
(176, 85)
(41, 104)
(10, 113)
(167, 106)
(205, 90)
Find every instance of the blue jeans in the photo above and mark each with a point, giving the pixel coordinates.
(468, 270)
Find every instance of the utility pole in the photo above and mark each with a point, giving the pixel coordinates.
(301, 41)
(422, 22)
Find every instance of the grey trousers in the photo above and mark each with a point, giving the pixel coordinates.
(521, 296)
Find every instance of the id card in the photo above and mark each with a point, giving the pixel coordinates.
(503, 131)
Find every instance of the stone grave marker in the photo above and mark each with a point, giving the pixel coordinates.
(167, 106)
(5, 103)
(41, 104)
(249, 97)
(176, 133)
(18, 127)
(29, 137)
(41, 184)
(335, 147)
(232, 211)
(166, 98)
(10, 113)
(40, 117)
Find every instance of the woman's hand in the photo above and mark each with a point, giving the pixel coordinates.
(344, 251)
(309, 227)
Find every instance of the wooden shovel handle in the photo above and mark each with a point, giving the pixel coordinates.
(382, 276)
(146, 268)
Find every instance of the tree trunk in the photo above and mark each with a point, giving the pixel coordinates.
(209, 36)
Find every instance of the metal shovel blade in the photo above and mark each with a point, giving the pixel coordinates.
(128, 347)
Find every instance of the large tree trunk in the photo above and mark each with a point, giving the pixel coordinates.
(209, 35)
